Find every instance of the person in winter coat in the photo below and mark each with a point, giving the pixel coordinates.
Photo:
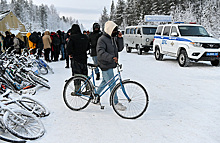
(31, 44)
(62, 44)
(77, 47)
(16, 44)
(1, 42)
(40, 44)
(67, 38)
(7, 41)
(56, 46)
(47, 45)
(93, 38)
(108, 46)
(52, 46)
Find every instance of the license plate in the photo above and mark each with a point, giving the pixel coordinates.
(211, 54)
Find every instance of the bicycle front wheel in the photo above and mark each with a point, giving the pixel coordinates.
(77, 93)
(30, 127)
(8, 137)
(38, 80)
(34, 106)
(129, 100)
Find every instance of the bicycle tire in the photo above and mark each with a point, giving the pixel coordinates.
(50, 69)
(138, 103)
(8, 137)
(34, 106)
(31, 129)
(39, 76)
(47, 66)
(74, 101)
(39, 80)
(43, 69)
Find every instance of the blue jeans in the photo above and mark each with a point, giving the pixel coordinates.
(107, 75)
(95, 62)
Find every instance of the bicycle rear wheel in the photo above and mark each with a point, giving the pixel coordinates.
(77, 93)
(31, 128)
(34, 106)
(137, 103)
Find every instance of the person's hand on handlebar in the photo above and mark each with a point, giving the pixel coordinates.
(115, 59)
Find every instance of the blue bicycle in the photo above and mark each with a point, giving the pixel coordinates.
(129, 99)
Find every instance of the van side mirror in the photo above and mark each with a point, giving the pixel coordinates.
(210, 35)
(174, 34)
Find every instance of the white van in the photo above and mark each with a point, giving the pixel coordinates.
(139, 37)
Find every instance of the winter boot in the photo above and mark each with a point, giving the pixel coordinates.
(97, 76)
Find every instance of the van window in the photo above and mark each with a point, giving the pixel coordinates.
(159, 30)
(149, 30)
(174, 30)
(166, 31)
(135, 31)
(127, 31)
(132, 31)
(139, 31)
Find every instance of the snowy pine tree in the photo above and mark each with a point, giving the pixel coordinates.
(119, 13)
(104, 18)
(112, 12)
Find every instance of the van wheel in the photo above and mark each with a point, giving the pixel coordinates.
(215, 63)
(139, 50)
(158, 55)
(128, 49)
(183, 59)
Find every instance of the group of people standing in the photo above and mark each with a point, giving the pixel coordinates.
(11, 41)
(52, 44)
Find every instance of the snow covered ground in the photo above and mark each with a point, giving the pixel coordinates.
(184, 106)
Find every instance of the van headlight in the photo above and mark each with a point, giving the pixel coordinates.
(147, 39)
(196, 44)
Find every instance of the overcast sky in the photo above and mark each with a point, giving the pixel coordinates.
(86, 11)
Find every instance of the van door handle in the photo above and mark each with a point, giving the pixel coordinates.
(141, 36)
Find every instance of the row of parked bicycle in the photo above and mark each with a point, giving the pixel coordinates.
(19, 113)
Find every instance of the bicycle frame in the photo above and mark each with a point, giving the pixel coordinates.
(115, 79)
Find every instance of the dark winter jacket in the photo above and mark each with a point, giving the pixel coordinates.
(7, 42)
(56, 40)
(77, 46)
(93, 38)
(40, 44)
(108, 47)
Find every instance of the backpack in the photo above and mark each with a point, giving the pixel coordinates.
(33, 38)
(21, 43)
(56, 40)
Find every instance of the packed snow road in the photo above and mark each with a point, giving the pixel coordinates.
(184, 106)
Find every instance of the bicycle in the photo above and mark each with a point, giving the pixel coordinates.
(80, 90)
(26, 103)
(20, 123)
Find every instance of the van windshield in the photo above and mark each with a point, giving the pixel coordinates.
(149, 30)
(193, 31)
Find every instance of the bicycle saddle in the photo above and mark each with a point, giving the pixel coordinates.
(92, 65)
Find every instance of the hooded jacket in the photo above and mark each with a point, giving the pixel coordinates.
(78, 45)
(108, 47)
(93, 38)
(31, 44)
(47, 40)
